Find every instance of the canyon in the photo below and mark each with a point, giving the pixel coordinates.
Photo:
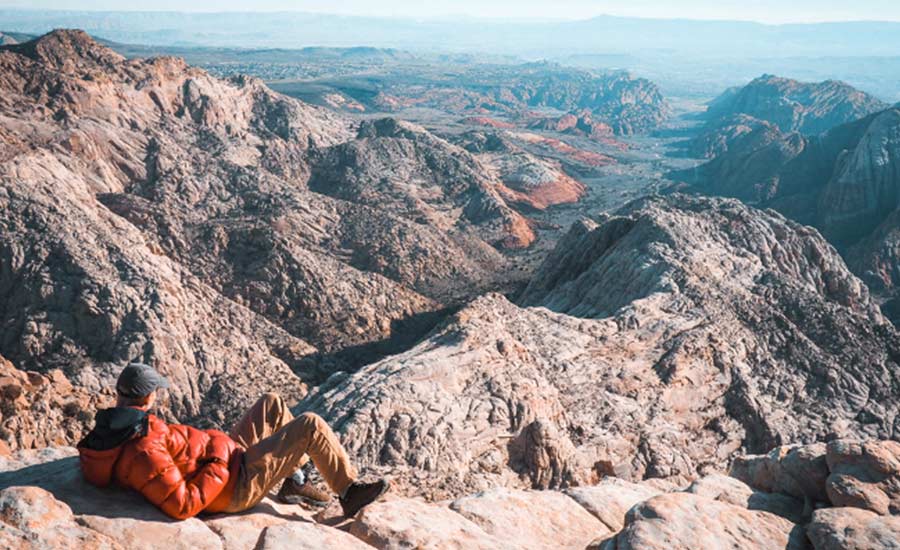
(504, 290)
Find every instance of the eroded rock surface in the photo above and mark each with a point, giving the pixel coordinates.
(531, 519)
(687, 521)
(45, 504)
(208, 227)
(411, 523)
(669, 338)
(41, 410)
(733, 491)
(864, 474)
(800, 471)
(853, 529)
(611, 499)
(809, 108)
(844, 182)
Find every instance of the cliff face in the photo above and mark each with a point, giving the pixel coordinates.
(152, 212)
(865, 186)
(654, 344)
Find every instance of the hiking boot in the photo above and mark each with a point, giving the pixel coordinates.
(292, 492)
(359, 495)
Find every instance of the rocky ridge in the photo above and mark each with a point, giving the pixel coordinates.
(656, 344)
(529, 181)
(771, 108)
(844, 182)
(577, 124)
(793, 106)
(152, 212)
(618, 102)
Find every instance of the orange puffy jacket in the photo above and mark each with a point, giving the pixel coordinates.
(180, 469)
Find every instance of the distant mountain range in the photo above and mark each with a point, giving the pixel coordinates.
(685, 57)
(601, 34)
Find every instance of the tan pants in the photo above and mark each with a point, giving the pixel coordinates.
(277, 444)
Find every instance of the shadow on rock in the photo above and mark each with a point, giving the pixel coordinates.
(62, 478)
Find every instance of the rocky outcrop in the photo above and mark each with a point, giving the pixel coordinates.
(853, 529)
(845, 182)
(616, 101)
(864, 475)
(621, 101)
(8, 39)
(749, 163)
(741, 132)
(854, 473)
(699, 523)
(45, 504)
(877, 256)
(865, 186)
(611, 498)
(808, 108)
(639, 355)
(527, 180)
(850, 488)
(41, 410)
(531, 519)
(798, 471)
(409, 523)
(730, 490)
(403, 168)
(577, 124)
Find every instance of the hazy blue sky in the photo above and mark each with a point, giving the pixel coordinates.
(770, 11)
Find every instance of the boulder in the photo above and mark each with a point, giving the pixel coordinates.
(733, 491)
(30, 518)
(864, 475)
(798, 471)
(121, 515)
(532, 519)
(611, 499)
(411, 523)
(297, 535)
(853, 529)
(685, 521)
(244, 530)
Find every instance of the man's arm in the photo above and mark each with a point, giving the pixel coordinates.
(178, 497)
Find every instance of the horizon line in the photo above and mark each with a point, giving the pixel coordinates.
(445, 17)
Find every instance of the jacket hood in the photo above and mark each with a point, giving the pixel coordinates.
(100, 449)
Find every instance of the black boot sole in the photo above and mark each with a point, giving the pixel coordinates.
(385, 489)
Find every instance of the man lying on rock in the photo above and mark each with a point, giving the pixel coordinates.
(185, 471)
